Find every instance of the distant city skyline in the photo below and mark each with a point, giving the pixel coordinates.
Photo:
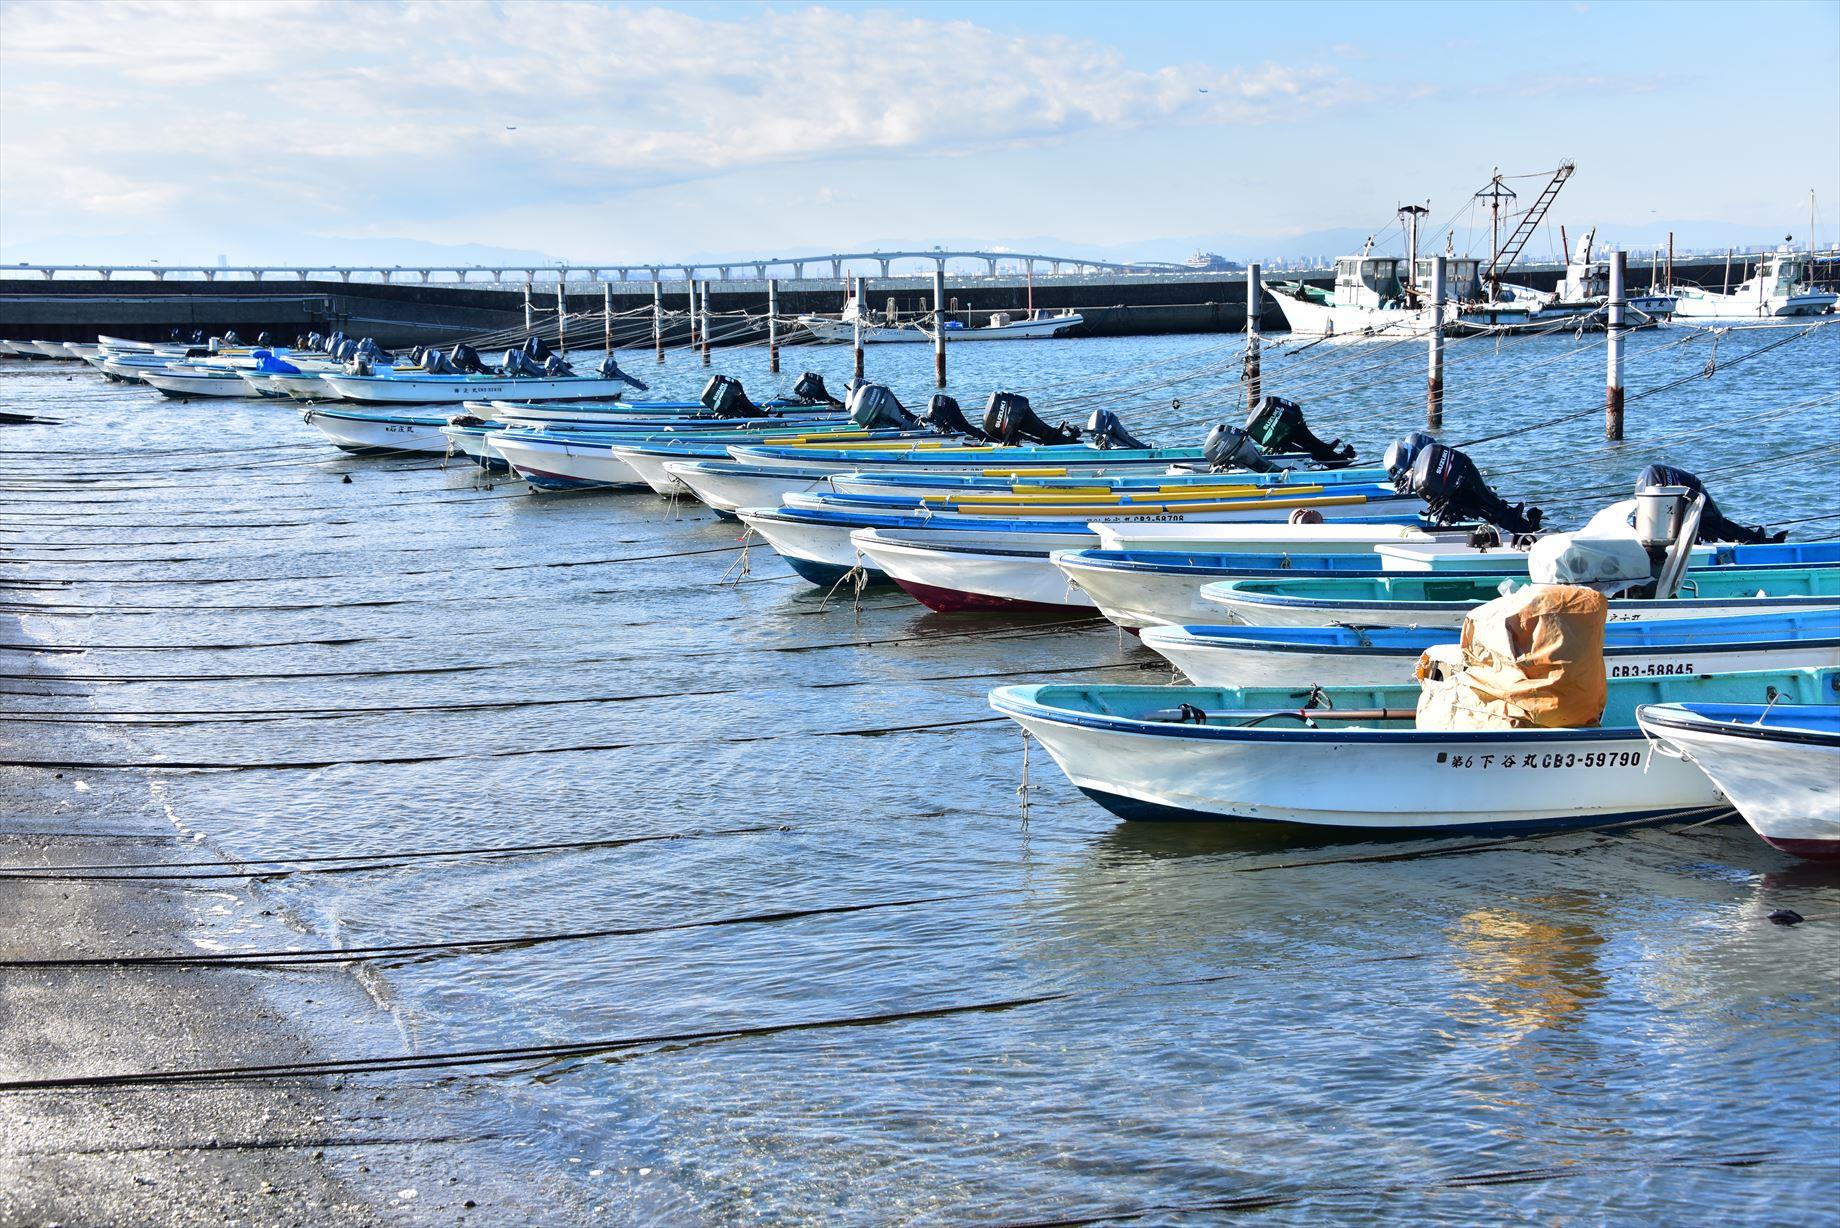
(142, 132)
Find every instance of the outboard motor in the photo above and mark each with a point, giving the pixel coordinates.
(360, 364)
(1402, 453)
(1714, 526)
(1228, 448)
(726, 398)
(198, 336)
(1104, 430)
(874, 407)
(315, 341)
(436, 363)
(262, 339)
(230, 337)
(1277, 425)
(811, 390)
(466, 360)
(536, 348)
(1452, 487)
(1010, 419)
(942, 414)
(609, 369)
(555, 365)
(519, 364)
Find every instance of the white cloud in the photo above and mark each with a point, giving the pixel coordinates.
(141, 111)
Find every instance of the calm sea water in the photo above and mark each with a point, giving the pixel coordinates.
(453, 665)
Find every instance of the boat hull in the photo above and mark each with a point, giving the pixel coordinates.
(183, 385)
(454, 390)
(962, 573)
(1223, 659)
(379, 434)
(1784, 781)
(564, 464)
(729, 487)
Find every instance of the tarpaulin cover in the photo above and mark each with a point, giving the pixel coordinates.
(1531, 659)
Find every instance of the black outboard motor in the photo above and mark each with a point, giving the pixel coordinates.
(519, 364)
(1010, 419)
(1277, 425)
(1452, 487)
(943, 414)
(1714, 526)
(555, 365)
(536, 348)
(262, 339)
(726, 398)
(230, 337)
(314, 341)
(198, 336)
(436, 363)
(874, 408)
(811, 390)
(360, 364)
(466, 360)
(1402, 453)
(1104, 430)
(1227, 448)
(609, 369)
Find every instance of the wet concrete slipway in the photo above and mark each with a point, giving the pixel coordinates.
(851, 982)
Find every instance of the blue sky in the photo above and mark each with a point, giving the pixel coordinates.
(268, 132)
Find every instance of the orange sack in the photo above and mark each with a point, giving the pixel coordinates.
(1532, 659)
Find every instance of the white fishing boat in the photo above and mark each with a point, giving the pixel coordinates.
(1002, 326)
(1780, 288)
(1354, 759)
(371, 432)
(561, 462)
(187, 381)
(1313, 538)
(1779, 764)
(950, 571)
(1580, 300)
(418, 389)
(1350, 656)
(1443, 601)
(43, 349)
(728, 486)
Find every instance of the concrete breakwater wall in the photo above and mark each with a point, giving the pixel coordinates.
(407, 314)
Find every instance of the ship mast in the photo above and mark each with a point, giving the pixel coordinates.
(1412, 214)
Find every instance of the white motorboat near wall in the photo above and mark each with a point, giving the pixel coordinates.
(1002, 326)
(1780, 288)
(729, 486)
(414, 389)
(1779, 764)
(950, 571)
(195, 381)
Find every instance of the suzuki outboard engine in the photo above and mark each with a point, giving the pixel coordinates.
(811, 390)
(1452, 487)
(466, 360)
(609, 369)
(1010, 419)
(943, 415)
(1714, 526)
(436, 363)
(536, 348)
(1401, 455)
(1104, 430)
(1277, 425)
(726, 398)
(1228, 447)
(874, 407)
(555, 365)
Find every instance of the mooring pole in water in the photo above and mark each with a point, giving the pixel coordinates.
(562, 315)
(1254, 305)
(705, 321)
(1670, 280)
(607, 314)
(1434, 380)
(692, 285)
(773, 325)
(529, 311)
(856, 327)
(658, 318)
(1613, 393)
(1726, 288)
(939, 326)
